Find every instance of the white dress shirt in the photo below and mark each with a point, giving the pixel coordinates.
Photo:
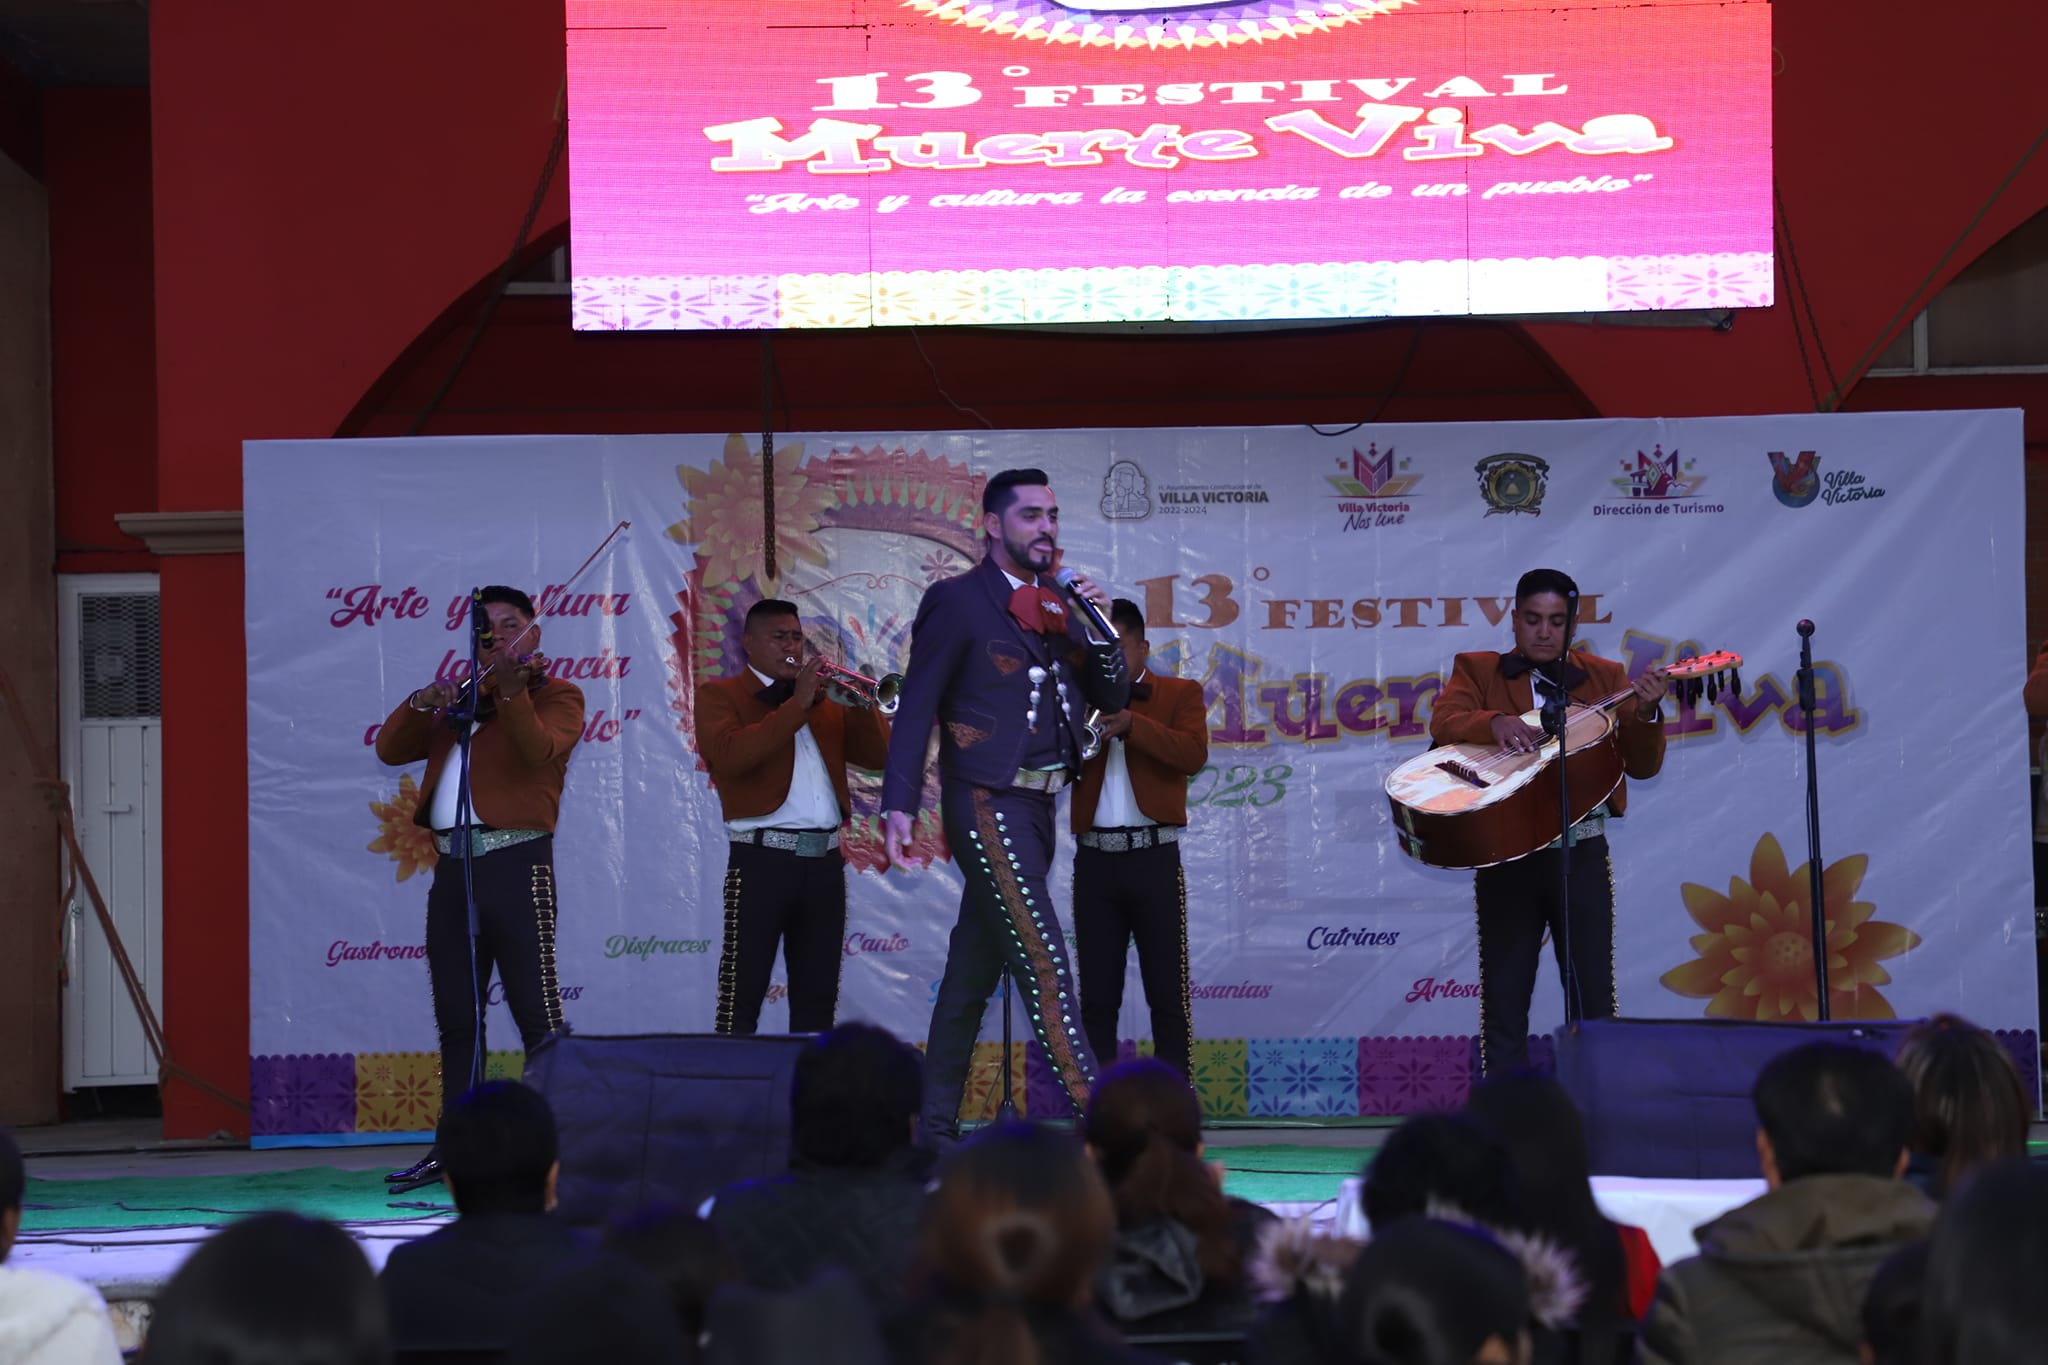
(811, 803)
(1117, 806)
(448, 788)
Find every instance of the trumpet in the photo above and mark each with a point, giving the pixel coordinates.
(1092, 741)
(849, 688)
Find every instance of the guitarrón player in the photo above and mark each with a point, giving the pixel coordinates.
(1483, 702)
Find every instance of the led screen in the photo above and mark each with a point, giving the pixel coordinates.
(852, 163)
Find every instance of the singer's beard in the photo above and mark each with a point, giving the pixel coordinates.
(1030, 554)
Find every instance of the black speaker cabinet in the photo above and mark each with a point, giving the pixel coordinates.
(664, 1117)
(1670, 1097)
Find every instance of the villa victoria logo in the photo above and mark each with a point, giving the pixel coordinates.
(1373, 494)
(1513, 482)
(1126, 492)
(1128, 495)
(1799, 481)
(1795, 482)
(1656, 483)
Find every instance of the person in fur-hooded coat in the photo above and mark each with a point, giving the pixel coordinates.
(1311, 1283)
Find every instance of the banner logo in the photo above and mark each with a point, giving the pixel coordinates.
(1795, 482)
(1188, 499)
(1656, 483)
(1372, 493)
(1126, 492)
(1372, 475)
(1513, 483)
(1657, 475)
(1799, 482)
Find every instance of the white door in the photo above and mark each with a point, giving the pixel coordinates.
(112, 753)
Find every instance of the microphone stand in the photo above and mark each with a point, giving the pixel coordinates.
(1006, 1111)
(1813, 868)
(1556, 720)
(463, 715)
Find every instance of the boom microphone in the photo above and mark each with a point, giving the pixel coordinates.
(480, 622)
(1065, 578)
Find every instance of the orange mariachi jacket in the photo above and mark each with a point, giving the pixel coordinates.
(517, 761)
(1167, 744)
(1477, 692)
(750, 746)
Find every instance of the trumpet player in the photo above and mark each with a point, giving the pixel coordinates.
(1128, 813)
(778, 747)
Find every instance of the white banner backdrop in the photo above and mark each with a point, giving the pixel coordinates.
(1318, 587)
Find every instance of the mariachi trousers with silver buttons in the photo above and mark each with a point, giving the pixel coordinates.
(515, 906)
(771, 895)
(1518, 904)
(1002, 840)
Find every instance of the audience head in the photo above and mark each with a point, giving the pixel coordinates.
(1891, 1308)
(681, 1252)
(600, 1310)
(1129, 621)
(1441, 1163)
(1969, 1105)
(498, 1148)
(855, 1098)
(1534, 1119)
(1430, 1293)
(1981, 1301)
(1831, 1109)
(1021, 1219)
(13, 1189)
(826, 1318)
(1144, 1125)
(272, 1289)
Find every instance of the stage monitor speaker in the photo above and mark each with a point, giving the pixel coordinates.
(1670, 1097)
(664, 1118)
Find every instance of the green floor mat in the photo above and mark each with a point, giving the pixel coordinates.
(1266, 1175)
(1287, 1174)
(183, 1201)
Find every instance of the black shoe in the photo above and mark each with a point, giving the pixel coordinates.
(413, 1171)
(428, 1172)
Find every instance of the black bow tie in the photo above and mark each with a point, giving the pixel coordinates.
(1141, 691)
(1560, 671)
(777, 692)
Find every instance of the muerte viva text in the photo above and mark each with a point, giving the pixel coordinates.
(1435, 133)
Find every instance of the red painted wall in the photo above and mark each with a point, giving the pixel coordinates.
(102, 324)
(330, 180)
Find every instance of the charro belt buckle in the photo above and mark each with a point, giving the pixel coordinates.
(816, 843)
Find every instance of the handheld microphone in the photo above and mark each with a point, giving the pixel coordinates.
(1805, 629)
(1065, 578)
